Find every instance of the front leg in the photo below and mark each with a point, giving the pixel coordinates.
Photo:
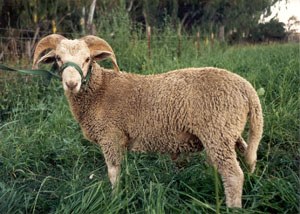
(113, 145)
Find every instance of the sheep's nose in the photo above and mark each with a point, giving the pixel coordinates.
(71, 85)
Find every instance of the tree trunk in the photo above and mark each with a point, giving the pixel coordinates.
(82, 21)
(222, 33)
(174, 13)
(90, 27)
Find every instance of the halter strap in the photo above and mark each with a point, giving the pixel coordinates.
(84, 79)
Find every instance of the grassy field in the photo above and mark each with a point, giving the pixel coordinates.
(46, 166)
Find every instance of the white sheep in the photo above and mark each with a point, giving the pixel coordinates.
(178, 111)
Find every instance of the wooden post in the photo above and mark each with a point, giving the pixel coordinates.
(179, 45)
(90, 27)
(54, 29)
(212, 37)
(149, 41)
(82, 21)
(222, 33)
(198, 42)
(2, 53)
(1, 56)
(28, 49)
(206, 41)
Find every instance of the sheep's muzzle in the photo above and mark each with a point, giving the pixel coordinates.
(84, 79)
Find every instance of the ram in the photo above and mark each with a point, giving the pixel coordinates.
(179, 111)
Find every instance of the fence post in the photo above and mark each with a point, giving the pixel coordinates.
(32, 43)
(149, 41)
(28, 49)
(82, 21)
(179, 44)
(212, 38)
(222, 33)
(198, 42)
(54, 29)
(2, 47)
(91, 27)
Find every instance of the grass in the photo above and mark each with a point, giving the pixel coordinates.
(46, 166)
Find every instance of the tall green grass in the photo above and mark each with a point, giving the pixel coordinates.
(46, 166)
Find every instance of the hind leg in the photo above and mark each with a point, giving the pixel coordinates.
(233, 180)
(223, 157)
(241, 145)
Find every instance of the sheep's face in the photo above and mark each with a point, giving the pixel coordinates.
(66, 53)
(75, 51)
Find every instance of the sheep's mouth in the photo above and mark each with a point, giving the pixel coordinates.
(72, 86)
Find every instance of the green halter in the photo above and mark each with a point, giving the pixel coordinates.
(53, 71)
(39, 72)
(84, 79)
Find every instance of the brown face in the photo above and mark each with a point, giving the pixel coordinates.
(75, 51)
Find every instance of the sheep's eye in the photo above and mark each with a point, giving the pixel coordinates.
(58, 59)
(87, 60)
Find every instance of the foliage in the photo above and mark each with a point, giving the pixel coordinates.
(292, 24)
(272, 30)
(69, 16)
(48, 167)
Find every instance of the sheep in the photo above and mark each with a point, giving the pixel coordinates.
(183, 110)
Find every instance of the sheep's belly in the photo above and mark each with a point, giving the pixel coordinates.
(173, 144)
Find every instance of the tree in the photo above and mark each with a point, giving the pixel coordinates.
(210, 15)
(292, 24)
(71, 15)
(269, 31)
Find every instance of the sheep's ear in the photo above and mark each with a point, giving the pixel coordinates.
(101, 55)
(98, 46)
(48, 58)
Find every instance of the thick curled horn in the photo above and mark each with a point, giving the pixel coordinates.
(96, 44)
(48, 42)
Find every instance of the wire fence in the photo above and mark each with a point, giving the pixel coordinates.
(19, 44)
(16, 44)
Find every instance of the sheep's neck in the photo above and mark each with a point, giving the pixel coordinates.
(81, 103)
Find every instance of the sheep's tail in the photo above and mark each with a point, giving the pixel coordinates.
(255, 132)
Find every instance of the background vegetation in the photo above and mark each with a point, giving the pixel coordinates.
(228, 20)
(46, 166)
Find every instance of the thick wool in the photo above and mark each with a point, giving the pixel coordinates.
(179, 111)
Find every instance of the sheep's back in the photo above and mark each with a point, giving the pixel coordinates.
(156, 111)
